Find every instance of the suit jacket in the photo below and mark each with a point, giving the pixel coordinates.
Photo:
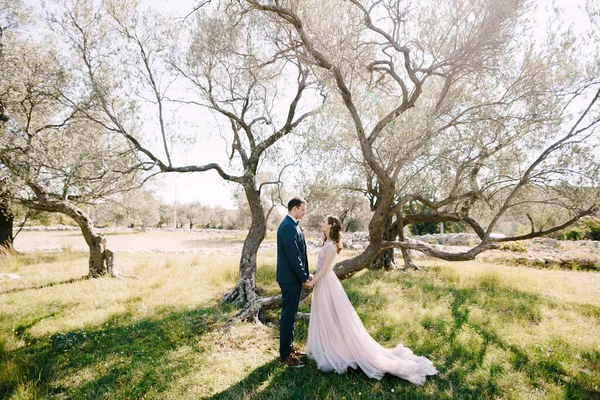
(292, 262)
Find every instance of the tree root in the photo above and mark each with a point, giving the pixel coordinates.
(255, 310)
(408, 262)
(241, 295)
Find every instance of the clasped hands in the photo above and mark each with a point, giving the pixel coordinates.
(307, 284)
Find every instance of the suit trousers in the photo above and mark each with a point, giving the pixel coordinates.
(290, 297)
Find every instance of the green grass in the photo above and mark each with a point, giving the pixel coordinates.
(493, 331)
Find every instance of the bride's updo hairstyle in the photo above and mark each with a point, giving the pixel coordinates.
(335, 232)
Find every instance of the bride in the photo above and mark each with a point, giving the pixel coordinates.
(337, 338)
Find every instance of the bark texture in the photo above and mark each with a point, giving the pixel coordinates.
(245, 289)
(385, 259)
(102, 261)
(6, 226)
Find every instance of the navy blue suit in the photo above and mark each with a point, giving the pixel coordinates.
(292, 271)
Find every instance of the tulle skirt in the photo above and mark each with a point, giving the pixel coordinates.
(337, 339)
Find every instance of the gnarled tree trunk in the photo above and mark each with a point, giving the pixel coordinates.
(6, 225)
(245, 289)
(102, 260)
(344, 269)
(408, 262)
(385, 259)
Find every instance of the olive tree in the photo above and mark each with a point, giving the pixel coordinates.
(12, 13)
(217, 64)
(55, 158)
(460, 114)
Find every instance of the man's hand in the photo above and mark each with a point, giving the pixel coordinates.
(307, 284)
(310, 277)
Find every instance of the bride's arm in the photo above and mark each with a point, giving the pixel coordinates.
(327, 265)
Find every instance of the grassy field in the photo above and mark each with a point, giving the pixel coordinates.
(493, 331)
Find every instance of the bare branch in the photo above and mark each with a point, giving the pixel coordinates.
(431, 251)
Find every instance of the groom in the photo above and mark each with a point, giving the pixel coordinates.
(292, 272)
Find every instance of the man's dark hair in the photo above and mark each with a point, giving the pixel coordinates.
(295, 202)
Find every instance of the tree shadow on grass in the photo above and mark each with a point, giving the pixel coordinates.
(119, 359)
(464, 358)
(549, 367)
(275, 381)
(45, 285)
(132, 359)
(462, 344)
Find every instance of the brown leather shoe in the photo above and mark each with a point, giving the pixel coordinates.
(296, 352)
(292, 361)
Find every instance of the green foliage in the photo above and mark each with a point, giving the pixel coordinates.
(424, 228)
(44, 219)
(517, 247)
(353, 225)
(589, 229)
(575, 234)
(580, 265)
(593, 228)
(455, 227)
(165, 213)
(40, 218)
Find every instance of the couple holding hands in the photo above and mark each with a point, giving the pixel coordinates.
(337, 338)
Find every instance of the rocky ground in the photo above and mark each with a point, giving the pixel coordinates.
(539, 252)
(535, 252)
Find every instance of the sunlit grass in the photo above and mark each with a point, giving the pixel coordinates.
(493, 331)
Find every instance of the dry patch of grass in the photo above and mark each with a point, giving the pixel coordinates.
(126, 241)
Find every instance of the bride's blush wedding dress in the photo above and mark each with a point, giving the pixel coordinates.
(337, 338)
